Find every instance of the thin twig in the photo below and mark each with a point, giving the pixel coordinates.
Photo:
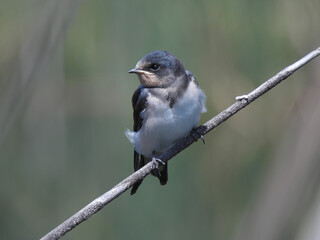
(242, 102)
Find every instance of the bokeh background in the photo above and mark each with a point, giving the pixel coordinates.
(65, 102)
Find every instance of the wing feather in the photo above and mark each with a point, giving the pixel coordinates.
(139, 103)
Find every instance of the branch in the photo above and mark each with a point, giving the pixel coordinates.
(289, 189)
(242, 102)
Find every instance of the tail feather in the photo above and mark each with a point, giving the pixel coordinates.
(161, 173)
(135, 187)
(139, 162)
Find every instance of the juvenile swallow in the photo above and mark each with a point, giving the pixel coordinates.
(166, 107)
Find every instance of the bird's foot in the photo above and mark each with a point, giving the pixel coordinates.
(155, 163)
(242, 97)
(196, 135)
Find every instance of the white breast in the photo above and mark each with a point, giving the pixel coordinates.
(163, 125)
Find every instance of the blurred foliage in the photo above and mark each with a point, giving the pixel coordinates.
(66, 145)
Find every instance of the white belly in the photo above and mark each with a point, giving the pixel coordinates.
(163, 126)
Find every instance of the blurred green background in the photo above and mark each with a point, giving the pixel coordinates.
(65, 102)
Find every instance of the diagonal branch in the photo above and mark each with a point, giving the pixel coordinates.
(97, 204)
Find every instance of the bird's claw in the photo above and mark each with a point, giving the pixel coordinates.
(196, 135)
(202, 138)
(155, 163)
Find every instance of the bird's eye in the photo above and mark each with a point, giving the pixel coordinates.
(154, 67)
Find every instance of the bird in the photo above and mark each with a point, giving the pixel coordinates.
(166, 107)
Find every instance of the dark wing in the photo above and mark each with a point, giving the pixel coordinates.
(203, 97)
(139, 103)
(191, 77)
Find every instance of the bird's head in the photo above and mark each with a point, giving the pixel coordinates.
(158, 69)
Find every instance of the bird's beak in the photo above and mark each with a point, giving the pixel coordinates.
(147, 79)
(138, 71)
